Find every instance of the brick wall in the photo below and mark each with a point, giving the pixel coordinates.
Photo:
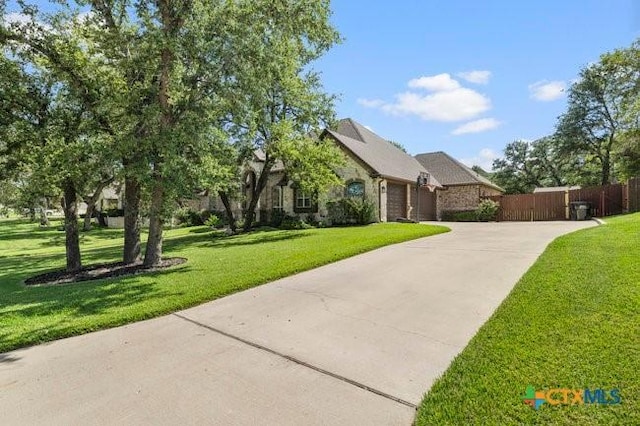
(462, 197)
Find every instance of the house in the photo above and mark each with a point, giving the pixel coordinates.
(463, 188)
(386, 174)
(374, 170)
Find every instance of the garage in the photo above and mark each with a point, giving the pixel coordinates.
(396, 201)
(427, 203)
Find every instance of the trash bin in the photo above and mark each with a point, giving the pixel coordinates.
(580, 210)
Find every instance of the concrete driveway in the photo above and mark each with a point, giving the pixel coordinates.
(356, 342)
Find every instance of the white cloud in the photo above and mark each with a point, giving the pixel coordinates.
(453, 105)
(477, 126)
(446, 100)
(371, 103)
(436, 83)
(484, 159)
(547, 90)
(476, 76)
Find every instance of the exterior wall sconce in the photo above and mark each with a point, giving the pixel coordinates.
(383, 189)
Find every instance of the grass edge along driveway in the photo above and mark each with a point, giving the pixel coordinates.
(571, 322)
(216, 266)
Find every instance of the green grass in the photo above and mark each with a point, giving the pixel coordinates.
(216, 266)
(573, 321)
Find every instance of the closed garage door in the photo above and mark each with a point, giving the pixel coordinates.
(427, 204)
(396, 201)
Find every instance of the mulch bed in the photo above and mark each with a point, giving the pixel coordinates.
(98, 272)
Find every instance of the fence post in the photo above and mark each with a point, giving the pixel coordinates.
(567, 213)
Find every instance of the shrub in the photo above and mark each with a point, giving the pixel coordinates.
(350, 211)
(188, 217)
(212, 221)
(277, 216)
(294, 222)
(487, 210)
(459, 216)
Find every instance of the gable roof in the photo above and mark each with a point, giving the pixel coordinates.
(450, 171)
(379, 154)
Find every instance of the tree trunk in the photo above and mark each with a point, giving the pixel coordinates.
(44, 219)
(250, 212)
(132, 196)
(91, 207)
(153, 254)
(72, 240)
(91, 201)
(227, 208)
(170, 25)
(606, 170)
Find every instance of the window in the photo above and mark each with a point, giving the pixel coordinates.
(304, 202)
(277, 199)
(355, 189)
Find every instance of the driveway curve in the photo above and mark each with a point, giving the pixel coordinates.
(355, 342)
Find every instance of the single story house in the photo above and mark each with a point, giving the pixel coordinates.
(374, 169)
(462, 189)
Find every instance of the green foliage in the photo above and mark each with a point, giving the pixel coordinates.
(603, 107)
(399, 146)
(213, 221)
(310, 163)
(459, 216)
(186, 216)
(487, 210)
(350, 211)
(294, 222)
(527, 165)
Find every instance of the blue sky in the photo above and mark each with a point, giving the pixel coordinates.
(400, 68)
(466, 77)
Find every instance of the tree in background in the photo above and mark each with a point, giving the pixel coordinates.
(527, 165)
(602, 108)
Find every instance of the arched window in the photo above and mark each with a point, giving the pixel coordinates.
(355, 189)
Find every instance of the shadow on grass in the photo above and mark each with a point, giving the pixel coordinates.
(86, 297)
(211, 239)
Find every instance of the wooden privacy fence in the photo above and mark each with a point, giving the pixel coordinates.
(531, 207)
(633, 194)
(605, 200)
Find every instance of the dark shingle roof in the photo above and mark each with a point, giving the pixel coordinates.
(382, 156)
(450, 171)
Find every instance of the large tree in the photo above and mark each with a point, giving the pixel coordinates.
(602, 108)
(530, 164)
(159, 77)
(283, 104)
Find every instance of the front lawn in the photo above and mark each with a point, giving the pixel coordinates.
(216, 266)
(573, 321)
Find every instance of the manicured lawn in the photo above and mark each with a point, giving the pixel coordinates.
(216, 266)
(573, 321)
